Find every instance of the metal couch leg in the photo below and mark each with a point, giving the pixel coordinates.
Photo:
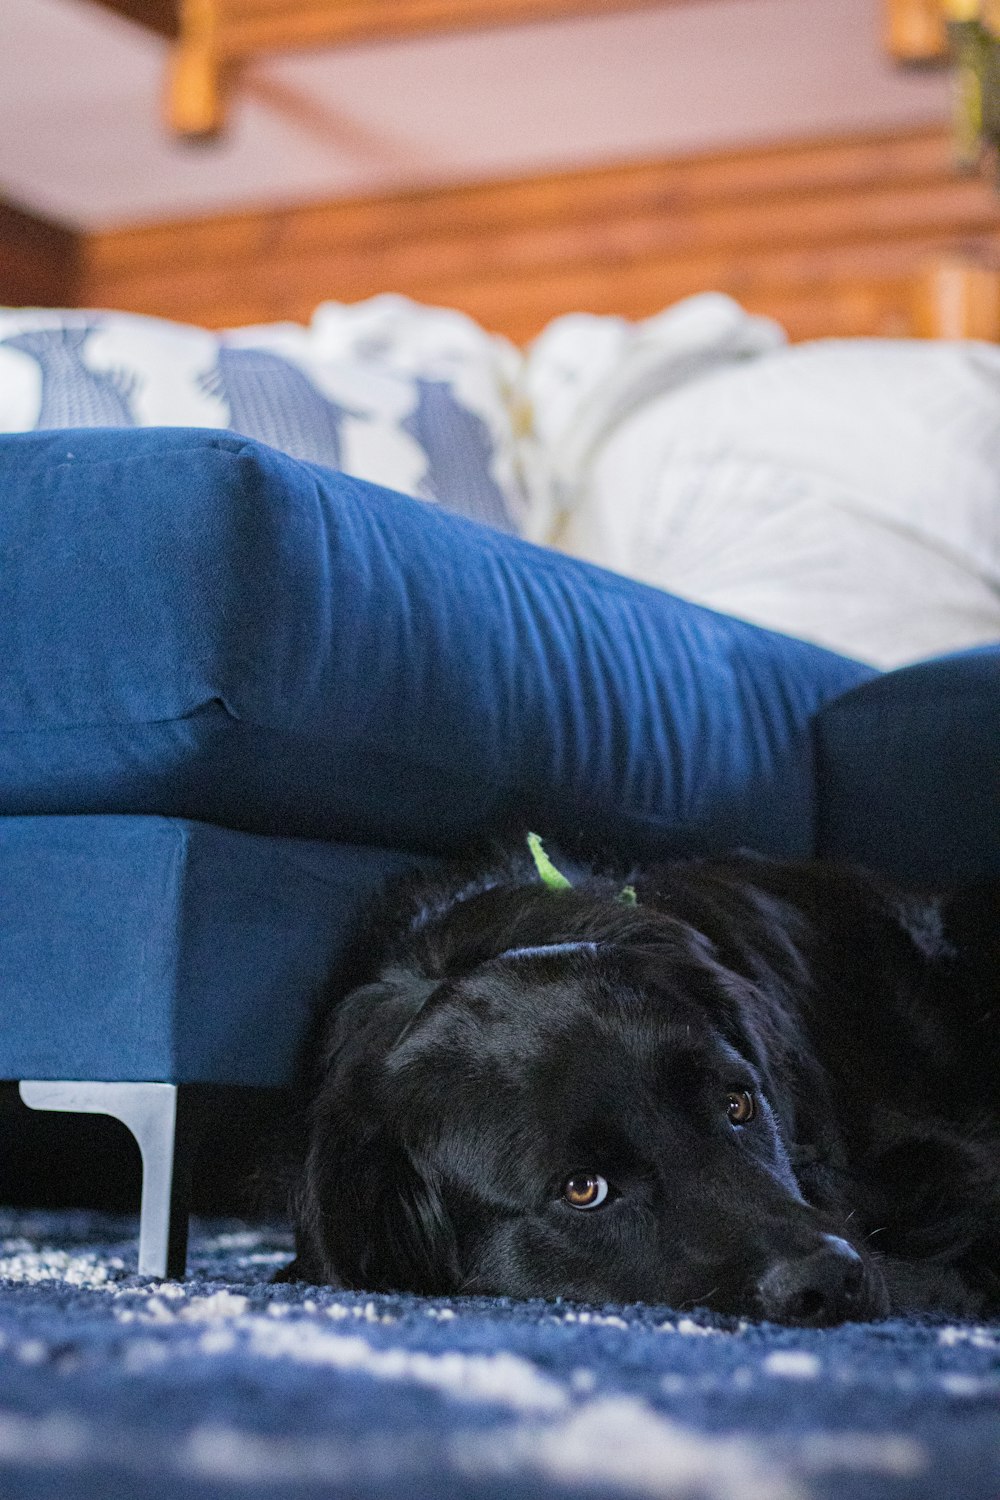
(159, 1115)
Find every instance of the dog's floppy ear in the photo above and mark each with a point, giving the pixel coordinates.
(365, 1217)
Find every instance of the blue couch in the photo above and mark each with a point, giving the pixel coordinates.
(240, 691)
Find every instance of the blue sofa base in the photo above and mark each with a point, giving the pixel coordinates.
(155, 949)
(143, 959)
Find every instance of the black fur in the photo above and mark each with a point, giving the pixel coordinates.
(460, 1085)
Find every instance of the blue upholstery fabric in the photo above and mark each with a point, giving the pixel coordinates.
(150, 949)
(196, 625)
(909, 771)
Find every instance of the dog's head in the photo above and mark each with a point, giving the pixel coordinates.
(562, 1096)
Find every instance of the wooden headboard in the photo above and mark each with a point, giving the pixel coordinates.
(831, 237)
(860, 235)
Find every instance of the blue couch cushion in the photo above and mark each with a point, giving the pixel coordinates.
(909, 771)
(151, 949)
(194, 624)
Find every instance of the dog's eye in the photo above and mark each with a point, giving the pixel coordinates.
(740, 1107)
(585, 1190)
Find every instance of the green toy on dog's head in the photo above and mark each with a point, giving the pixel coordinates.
(555, 880)
(550, 876)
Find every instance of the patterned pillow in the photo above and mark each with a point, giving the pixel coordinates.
(411, 397)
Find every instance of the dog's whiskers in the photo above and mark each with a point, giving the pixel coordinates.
(702, 1300)
(874, 1232)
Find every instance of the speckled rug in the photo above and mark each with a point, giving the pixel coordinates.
(226, 1386)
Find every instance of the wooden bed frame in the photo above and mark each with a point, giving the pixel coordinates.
(859, 235)
(865, 235)
(957, 299)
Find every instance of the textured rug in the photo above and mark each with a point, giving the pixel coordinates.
(226, 1386)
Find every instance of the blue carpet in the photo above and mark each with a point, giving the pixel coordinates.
(227, 1387)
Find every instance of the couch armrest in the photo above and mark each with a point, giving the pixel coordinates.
(909, 771)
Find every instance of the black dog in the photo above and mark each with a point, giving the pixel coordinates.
(769, 1089)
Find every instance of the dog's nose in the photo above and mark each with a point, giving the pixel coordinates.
(823, 1287)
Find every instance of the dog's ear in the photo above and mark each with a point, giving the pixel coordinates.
(366, 1218)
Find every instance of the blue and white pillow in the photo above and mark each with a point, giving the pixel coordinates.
(411, 397)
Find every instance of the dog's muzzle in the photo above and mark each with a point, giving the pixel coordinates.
(828, 1285)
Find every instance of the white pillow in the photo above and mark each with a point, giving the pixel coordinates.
(846, 492)
(412, 397)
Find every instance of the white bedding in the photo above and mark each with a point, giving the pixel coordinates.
(847, 492)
